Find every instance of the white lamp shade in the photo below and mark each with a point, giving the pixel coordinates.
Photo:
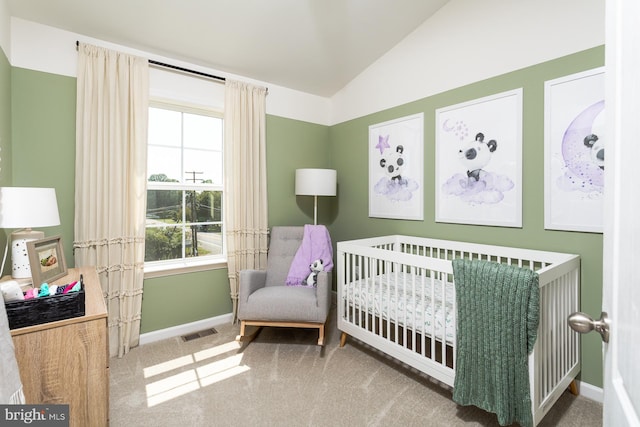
(316, 182)
(27, 207)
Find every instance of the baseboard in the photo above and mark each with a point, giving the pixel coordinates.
(590, 392)
(187, 328)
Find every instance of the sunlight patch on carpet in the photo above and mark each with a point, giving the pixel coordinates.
(221, 370)
(216, 351)
(194, 377)
(167, 366)
(171, 387)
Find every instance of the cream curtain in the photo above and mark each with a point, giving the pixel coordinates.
(110, 195)
(245, 181)
(11, 391)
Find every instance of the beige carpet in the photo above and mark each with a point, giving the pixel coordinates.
(283, 379)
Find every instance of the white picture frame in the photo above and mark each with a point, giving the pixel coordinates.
(396, 190)
(479, 161)
(573, 174)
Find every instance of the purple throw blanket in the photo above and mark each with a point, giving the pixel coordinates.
(316, 244)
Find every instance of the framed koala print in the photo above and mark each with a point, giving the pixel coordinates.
(479, 161)
(396, 168)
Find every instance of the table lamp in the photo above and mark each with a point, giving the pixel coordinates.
(23, 208)
(316, 182)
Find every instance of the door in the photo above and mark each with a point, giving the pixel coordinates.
(621, 286)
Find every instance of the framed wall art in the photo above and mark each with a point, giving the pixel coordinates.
(396, 168)
(479, 161)
(574, 146)
(46, 259)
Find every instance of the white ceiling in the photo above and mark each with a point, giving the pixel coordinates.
(315, 46)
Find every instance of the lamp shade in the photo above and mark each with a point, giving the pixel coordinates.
(27, 207)
(316, 182)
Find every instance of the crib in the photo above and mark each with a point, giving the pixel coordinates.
(396, 294)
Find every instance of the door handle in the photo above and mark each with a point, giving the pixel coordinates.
(583, 323)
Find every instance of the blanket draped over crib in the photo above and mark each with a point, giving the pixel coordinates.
(497, 322)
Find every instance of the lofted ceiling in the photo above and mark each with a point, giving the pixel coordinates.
(315, 46)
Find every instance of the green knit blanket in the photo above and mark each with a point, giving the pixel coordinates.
(497, 322)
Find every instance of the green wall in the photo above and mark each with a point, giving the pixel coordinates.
(350, 141)
(291, 145)
(5, 120)
(5, 136)
(42, 122)
(175, 300)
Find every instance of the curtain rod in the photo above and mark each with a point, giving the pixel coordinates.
(175, 67)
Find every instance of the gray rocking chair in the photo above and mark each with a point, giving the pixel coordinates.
(265, 300)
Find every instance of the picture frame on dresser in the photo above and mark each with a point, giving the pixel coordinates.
(46, 259)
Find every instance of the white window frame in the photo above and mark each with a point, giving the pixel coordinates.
(186, 265)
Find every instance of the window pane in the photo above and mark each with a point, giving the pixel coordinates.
(209, 240)
(207, 206)
(165, 127)
(202, 132)
(203, 166)
(163, 164)
(163, 243)
(164, 207)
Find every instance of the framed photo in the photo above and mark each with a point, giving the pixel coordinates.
(46, 259)
(479, 161)
(396, 168)
(574, 140)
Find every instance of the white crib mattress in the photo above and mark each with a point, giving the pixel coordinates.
(406, 299)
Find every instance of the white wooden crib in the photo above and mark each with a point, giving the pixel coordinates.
(396, 294)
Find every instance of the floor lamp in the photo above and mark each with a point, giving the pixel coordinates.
(316, 182)
(23, 208)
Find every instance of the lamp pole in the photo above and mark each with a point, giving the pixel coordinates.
(315, 210)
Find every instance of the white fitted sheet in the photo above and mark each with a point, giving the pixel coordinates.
(406, 299)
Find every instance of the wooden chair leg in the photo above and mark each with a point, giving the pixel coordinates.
(573, 388)
(246, 338)
(321, 335)
(343, 339)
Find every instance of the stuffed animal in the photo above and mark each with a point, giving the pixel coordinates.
(316, 267)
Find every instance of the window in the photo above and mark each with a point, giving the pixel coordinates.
(184, 185)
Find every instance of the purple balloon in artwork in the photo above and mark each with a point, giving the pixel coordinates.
(577, 156)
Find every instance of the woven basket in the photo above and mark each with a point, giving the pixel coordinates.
(45, 309)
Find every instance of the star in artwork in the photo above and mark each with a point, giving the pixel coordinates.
(383, 142)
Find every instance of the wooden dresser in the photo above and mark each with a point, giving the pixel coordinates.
(67, 362)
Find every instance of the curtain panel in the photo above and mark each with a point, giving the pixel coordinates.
(245, 181)
(110, 182)
(11, 390)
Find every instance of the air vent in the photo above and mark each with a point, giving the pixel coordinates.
(199, 334)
